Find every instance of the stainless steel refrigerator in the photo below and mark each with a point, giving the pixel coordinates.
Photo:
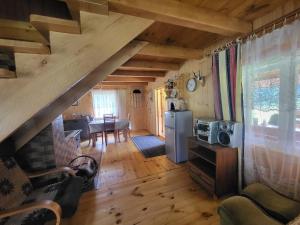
(179, 126)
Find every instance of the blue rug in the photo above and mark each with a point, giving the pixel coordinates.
(149, 145)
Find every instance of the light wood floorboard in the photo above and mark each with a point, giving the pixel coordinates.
(133, 190)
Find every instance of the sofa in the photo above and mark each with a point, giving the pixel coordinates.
(81, 123)
(23, 202)
(259, 205)
(26, 199)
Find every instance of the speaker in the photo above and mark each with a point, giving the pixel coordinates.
(230, 134)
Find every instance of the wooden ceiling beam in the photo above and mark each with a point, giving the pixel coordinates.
(171, 51)
(149, 65)
(110, 87)
(24, 47)
(133, 73)
(129, 79)
(19, 30)
(44, 24)
(123, 83)
(182, 14)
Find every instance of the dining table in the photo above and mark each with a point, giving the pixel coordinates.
(97, 126)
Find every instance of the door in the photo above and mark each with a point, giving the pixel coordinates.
(160, 111)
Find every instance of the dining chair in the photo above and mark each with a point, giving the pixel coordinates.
(93, 136)
(126, 130)
(110, 127)
(108, 115)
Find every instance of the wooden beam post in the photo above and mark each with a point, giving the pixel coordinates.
(171, 52)
(182, 14)
(124, 83)
(133, 73)
(129, 79)
(149, 65)
(33, 126)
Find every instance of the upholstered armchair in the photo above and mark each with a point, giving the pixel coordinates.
(22, 203)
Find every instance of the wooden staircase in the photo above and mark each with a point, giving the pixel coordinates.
(58, 59)
(31, 32)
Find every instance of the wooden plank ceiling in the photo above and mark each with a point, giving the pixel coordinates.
(172, 41)
(182, 29)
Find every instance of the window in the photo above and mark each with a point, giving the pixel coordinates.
(271, 90)
(266, 100)
(105, 102)
(110, 102)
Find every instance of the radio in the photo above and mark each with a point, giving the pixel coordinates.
(206, 129)
(230, 134)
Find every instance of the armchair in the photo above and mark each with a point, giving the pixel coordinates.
(22, 204)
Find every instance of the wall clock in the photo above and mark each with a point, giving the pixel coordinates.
(191, 84)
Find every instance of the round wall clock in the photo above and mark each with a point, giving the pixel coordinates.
(191, 84)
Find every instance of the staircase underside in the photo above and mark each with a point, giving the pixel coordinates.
(42, 79)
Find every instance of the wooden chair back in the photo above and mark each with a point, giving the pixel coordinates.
(108, 115)
(109, 123)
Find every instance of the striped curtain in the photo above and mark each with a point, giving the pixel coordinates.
(226, 75)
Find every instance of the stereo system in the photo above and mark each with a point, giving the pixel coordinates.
(226, 133)
(206, 130)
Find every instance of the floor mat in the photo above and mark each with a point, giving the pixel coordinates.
(150, 145)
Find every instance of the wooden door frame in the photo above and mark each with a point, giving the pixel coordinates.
(159, 111)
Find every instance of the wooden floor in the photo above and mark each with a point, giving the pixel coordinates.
(134, 190)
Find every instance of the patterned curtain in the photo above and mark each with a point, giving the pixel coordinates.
(227, 84)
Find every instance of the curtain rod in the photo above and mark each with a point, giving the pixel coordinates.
(275, 24)
(267, 28)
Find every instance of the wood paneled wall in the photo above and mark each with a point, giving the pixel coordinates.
(84, 107)
(200, 102)
(138, 119)
(288, 7)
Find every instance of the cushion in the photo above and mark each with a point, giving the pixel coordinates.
(40, 216)
(15, 187)
(69, 197)
(242, 211)
(36, 217)
(66, 193)
(275, 204)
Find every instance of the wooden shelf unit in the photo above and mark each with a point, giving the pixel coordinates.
(214, 167)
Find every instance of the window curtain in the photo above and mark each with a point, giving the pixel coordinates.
(271, 90)
(226, 75)
(110, 102)
(227, 81)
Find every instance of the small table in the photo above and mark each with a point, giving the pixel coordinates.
(97, 126)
